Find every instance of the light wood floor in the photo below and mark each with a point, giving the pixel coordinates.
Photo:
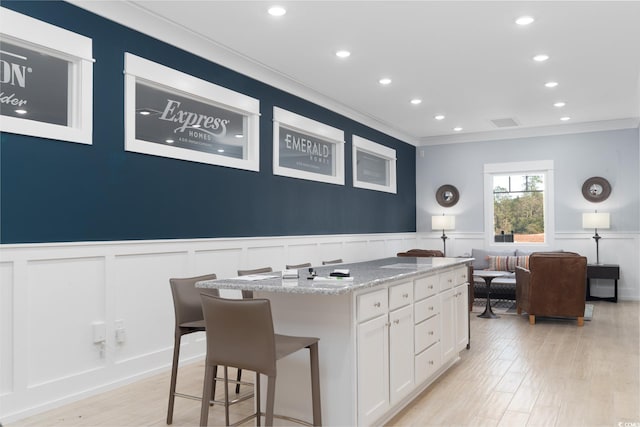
(550, 374)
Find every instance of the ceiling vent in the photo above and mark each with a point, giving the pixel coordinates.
(504, 123)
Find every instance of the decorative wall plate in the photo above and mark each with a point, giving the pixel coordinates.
(447, 195)
(596, 189)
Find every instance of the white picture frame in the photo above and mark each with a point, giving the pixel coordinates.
(381, 174)
(304, 148)
(58, 44)
(199, 140)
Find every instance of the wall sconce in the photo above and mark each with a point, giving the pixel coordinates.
(443, 222)
(596, 220)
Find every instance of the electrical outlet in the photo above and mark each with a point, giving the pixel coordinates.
(121, 334)
(99, 332)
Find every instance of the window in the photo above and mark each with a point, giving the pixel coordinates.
(306, 149)
(374, 166)
(46, 80)
(172, 114)
(518, 209)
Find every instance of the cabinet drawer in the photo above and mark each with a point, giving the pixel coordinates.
(372, 305)
(426, 287)
(427, 333)
(427, 363)
(400, 295)
(462, 275)
(426, 308)
(447, 280)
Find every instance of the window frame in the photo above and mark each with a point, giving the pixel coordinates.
(380, 151)
(188, 86)
(313, 128)
(544, 167)
(66, 45)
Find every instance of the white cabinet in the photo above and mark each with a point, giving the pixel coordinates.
(455, 320)
(385, 367)
(373, 368)
(400, 352)
(405, 334)
(462, 316)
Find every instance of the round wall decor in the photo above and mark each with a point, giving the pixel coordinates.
(447, 195)
(596, 189)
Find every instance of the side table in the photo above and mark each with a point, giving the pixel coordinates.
(603, 271)
(488, 276)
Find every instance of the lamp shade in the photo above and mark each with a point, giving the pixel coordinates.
(443, 222)
(595, 220)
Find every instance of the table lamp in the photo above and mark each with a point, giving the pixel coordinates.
(596, 220)
(443, 222)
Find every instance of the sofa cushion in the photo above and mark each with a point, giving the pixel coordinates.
(481, 257)
(507, 263)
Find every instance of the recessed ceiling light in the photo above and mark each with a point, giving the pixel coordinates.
(551, 84)
(416, 101)
(384, 81)
(524, 20)
(144, 113)
(21, 111)
(565, 118)
(196, 126)
(220, 150)
(541, 58)
(169, 141)
(343, 54)
(277, 11)
(439, 117)
(239, 135)
(457, 128)
(560, 104)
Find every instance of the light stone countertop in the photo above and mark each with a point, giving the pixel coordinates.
(365, 275)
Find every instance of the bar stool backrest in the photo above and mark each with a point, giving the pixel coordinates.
(249, 294)
(333, 261)
(292, 266)
(240, 334)
(186, 298)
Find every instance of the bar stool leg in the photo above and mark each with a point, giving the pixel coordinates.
(226, 396)
(238, 378)
(315, 384)
(257, 398)
(271, 395)
(174, 375)
(206, 395)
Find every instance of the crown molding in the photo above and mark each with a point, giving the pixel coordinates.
(139, 19)
(603, 125)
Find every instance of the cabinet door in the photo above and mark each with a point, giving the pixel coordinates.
(448, 315)
(401, 352)
(373, 369)
(462, 316)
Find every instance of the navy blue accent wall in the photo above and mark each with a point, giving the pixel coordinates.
(53, 191)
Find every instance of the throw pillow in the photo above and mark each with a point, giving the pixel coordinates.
(507, 263)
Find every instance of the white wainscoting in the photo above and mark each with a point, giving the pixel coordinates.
(51, 294)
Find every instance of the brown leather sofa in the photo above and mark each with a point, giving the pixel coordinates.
(554, 286)
(421, 253)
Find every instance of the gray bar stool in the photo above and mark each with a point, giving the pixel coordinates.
(188, 319)
(333, 261)
(240, 334)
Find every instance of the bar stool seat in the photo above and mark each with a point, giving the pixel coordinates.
(240, 334)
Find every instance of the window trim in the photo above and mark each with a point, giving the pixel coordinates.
(307, 126)
(377, 150)
(545, 167)
(190, 86)
(77, 50)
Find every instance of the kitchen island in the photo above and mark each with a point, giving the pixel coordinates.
(386, 333)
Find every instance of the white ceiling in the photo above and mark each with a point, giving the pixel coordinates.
(467, 60)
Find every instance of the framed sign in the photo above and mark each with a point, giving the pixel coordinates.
(374, 166)
(46, 80)
(306, 149)
(172, 114)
